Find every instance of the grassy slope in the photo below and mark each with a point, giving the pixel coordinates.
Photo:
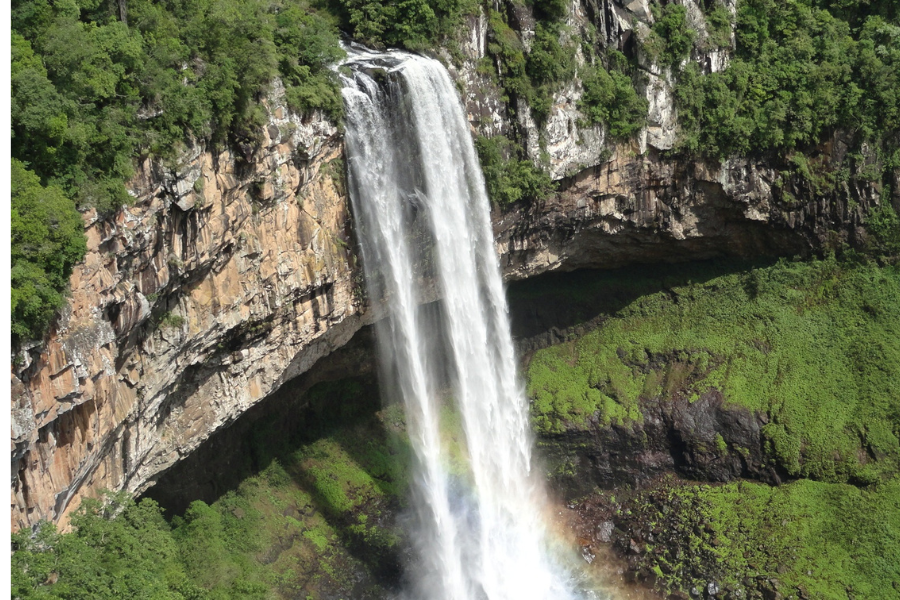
(313, 520)
(822, 540)
(816, 346)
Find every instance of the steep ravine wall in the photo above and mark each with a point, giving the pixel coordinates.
(228, 276)
(234, 273)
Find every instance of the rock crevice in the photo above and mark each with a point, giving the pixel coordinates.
(234, 271)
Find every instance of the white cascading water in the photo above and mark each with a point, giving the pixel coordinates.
(422, 216)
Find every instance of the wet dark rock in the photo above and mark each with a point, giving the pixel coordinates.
(675, 435)
(605, 531)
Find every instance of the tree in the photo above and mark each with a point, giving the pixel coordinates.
(47, 240)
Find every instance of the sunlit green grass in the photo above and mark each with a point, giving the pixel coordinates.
(814, 345)
(832, 541)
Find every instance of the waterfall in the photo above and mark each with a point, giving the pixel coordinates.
(422, 218)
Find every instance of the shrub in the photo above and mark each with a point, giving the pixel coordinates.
(119, 549)
(509, 179)
(884, 226)
(506, 46)
(670, 39)
(46, 241)
(610, 98)
(801, 71)
(718, 27)
(172, 321)
(548, 62)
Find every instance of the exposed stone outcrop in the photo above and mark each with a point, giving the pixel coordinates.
(229, 275)
(641, 208)
(234, 270)
(702, 440)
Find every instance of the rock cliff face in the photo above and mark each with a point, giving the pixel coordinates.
(229, 275)
(234, 271)
(644, 208)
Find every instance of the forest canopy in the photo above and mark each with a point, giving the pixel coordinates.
(800, 71)
(97, 85)
(91, 93)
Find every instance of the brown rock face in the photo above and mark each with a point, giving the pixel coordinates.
(640, 208)
(234, 273)
(228, 276)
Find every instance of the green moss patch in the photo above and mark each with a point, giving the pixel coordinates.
(814, 346)
(805, 539)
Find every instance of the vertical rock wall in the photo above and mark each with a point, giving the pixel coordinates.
(234, 271)
(229, 275)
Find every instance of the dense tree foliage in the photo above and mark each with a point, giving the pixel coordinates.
(46, 240)
(90, 93)
(508, 178)
(610, 98)
(411, 24)
(670, 40)
(119, 550)
(802, 69)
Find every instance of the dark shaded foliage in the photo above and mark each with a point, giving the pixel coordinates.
(507, 177)
(46, 241)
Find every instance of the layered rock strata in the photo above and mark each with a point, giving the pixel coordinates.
(234, 270)
(230, 274)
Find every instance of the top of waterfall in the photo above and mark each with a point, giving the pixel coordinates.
(389, 60)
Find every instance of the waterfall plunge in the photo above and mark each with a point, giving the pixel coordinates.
(422, 216)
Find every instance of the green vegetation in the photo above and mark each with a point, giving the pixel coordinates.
(718, 27)
(411, 24)
(670, 39)
(507, 178)
(507, 49)
(317, 513)
(90, 92)
(119, 550)
(337, 172)
(549, 64)
(531, 76)
(171, 320)
(610, 98)
(815, 346)
(802, 70)
(884, 228)
(47, 240)
(509, 175)
(816, 540)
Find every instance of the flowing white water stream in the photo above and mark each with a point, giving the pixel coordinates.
(422, 216)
